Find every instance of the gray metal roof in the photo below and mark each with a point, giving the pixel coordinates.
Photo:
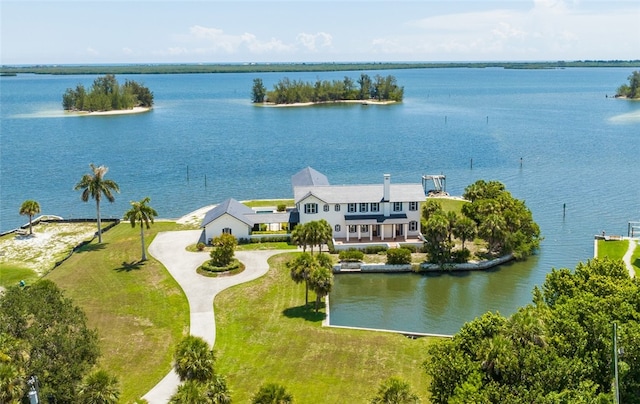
(361, 193)
(308, 177)
(280, 217)
(231, 207)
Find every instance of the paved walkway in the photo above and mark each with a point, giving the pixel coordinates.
(170, 249)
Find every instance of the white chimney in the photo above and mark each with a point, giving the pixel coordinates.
(387, 188)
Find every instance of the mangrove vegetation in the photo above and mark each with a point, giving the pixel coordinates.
(106, 94)
(365, 88)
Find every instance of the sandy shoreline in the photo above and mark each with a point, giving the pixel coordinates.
(134, 110)
(306, 104)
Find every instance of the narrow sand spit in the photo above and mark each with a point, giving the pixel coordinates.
(134, 110)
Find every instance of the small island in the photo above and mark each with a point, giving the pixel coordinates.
(108, 97)
(365, 90)
(631, 90)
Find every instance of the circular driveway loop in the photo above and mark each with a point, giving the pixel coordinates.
(170, 249)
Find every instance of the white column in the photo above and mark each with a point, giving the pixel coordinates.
(405, 228)
(382, 232)
(393, 228)
(371, 232)
(359, 234)
(348, 232)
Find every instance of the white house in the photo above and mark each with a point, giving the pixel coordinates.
(237, 219)
(382, 212)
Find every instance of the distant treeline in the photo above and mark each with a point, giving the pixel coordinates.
(298, 67)
(288, 91)
(107, 95)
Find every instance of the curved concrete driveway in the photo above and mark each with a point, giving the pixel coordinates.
(170, 249)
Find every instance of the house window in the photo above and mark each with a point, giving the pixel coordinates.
(413, 225)
(226, 230)
(375, 207)
(310, 208)
(337, 207)
(353, 228)
(364, 207)
(413, 205)
(397, 206)
(351, 207)
(325, 207)
(336, 228)
(364, 228)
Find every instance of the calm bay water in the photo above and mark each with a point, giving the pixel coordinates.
(577, 147)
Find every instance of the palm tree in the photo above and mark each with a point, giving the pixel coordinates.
(144, 214)
(94, 186)
(216, 390)
(189, 392)
(299, 236)
(99, 388)
(395, 391)
(194, 359)
(465, 229)
(30, 208)
(300, 268)
(321, 282)
(272, 393)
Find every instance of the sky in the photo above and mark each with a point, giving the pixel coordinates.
(267, 31)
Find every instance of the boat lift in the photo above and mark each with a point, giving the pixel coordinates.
(435, 185)
(633, 229)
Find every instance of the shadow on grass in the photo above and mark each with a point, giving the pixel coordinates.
(130, 266)
(307, 312)
(91, 247)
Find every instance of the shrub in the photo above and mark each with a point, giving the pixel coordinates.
(374, 249)
(351, 255)
(398, 256)
(222, 254)
(281, 207)
(460, 256)
(210, 266)
(200, 246)
(410, 247)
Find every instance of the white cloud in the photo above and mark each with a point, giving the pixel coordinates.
(312, 41)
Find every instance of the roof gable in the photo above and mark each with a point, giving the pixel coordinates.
(231, 207)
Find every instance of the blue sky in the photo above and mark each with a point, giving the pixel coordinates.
(170, 31)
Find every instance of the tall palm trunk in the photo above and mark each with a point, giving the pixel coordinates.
(306, 292)
(144, 252)
(30, 224)
(98, 215)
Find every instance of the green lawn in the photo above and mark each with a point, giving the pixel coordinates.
(258, 203)
(451, 204)
(264, 334)
(614, 249)
(11, 275)
(140, 312)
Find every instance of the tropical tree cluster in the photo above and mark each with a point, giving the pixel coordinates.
(631, 90)
(493, 214)
(194, 362)
(311, 234)
(45, 335)
(315, 271)
(504, 222)
(106, 94)
(440, 228)
(559, 349)
(288, 91)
